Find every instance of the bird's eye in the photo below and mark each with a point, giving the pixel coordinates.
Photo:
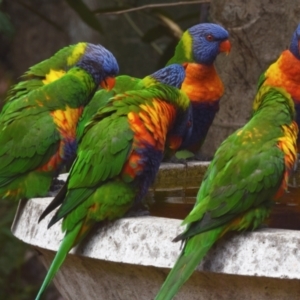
(209, 37)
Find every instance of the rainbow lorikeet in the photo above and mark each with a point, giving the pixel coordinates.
(170, 75)
(285, 73)
(117, 160)
(248, 172)
(38, 121)
(197, 51)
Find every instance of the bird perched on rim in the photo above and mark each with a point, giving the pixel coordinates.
(285, 73)
(248, 172)
(197, 50)
(117, 159)
(38, 121)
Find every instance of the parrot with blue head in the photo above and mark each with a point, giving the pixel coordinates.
(196, 51)
(118, 158)
(39, 118)
(181, 131)
(249, 171)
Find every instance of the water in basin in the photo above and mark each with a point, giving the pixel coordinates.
(177, 203)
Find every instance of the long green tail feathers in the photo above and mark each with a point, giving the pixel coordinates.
(65, 246)
(192, 254)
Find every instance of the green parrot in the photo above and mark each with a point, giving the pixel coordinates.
(38, 121)
(248, 172)
(170, 75)
(118, 158)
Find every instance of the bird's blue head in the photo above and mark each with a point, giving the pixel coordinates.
(101, 64)
(206, 41)
(173, 75)
(295, 43)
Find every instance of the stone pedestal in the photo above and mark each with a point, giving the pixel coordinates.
(130, 258)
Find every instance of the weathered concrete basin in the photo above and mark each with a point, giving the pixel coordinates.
(130, 258)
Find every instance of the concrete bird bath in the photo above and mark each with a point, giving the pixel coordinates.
(130, 258)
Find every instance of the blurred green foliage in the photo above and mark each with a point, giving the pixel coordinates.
(12, 257)
(6, 27)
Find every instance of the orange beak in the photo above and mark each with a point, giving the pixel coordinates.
(108, 83)
(225, 46)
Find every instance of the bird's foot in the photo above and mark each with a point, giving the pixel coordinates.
(55, 187)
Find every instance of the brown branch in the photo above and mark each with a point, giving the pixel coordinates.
(153, 6)
(172, 26)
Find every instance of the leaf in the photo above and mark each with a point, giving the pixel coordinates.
(6, 26)
(184, 154)
(85, 14)
(171, 25)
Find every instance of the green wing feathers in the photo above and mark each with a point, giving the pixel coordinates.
(47, 71)
(101, 156)
(27, 145)
(31, 138)
(111, 139)
(63, 60)
(245, 173)
(101, 98)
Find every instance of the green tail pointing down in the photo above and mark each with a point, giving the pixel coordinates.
(249, 170)
(64, 248)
